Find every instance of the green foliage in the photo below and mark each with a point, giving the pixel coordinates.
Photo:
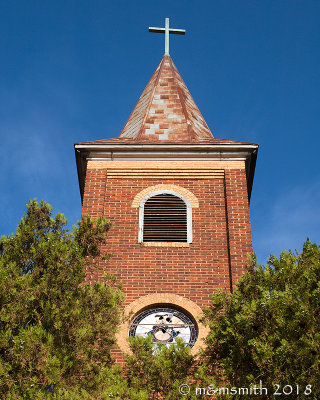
(161, 370)
(269, 328)
(111, 384)
(56, 330)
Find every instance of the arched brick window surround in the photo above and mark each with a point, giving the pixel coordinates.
(179, 189)
(174, 193)
(165, 299)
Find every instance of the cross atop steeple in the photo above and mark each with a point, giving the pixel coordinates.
(166, 32)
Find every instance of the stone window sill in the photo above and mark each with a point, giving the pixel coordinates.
(165, 244)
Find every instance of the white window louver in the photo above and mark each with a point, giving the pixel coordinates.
(165, 219)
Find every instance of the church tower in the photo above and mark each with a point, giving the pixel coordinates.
(178, 199)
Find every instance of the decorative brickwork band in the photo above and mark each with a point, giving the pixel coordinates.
(169, 173)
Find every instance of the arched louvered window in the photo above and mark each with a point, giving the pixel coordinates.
(165, 217)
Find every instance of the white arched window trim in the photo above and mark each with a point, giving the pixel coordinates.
(149, 195)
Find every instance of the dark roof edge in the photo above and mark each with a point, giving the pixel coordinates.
(250, 169)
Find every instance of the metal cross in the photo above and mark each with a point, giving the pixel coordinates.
(166, 32)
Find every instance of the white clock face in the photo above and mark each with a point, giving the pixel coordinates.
(164, 325)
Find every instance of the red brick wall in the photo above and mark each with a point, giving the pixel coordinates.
(240, 241)
(193, 272)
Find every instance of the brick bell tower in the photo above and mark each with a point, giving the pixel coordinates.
(178, 199)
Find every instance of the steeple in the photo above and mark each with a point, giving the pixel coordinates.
(166, 111)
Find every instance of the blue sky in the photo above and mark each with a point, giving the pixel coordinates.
(72, 71)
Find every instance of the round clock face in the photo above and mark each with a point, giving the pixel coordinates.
(165, 325)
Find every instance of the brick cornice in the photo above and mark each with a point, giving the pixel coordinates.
(220, 152)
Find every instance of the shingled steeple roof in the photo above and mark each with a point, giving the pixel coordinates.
(165, 114)
(166, 110)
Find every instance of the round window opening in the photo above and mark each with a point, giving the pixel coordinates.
(165, 325)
